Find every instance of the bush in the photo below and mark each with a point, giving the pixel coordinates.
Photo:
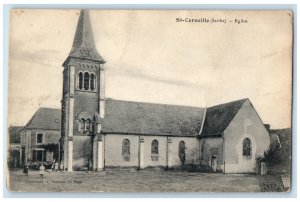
(197, 168)
(273, 156)
(278, 160)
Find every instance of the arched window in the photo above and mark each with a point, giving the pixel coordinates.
(246, 147)
(85, 122)
(154, 147)
(80, 80)
(87, 125)
(86, 80)
(154, 150)
(92, 82)
(126, 150)
(181, 152)
(181, 149)
(82, 127)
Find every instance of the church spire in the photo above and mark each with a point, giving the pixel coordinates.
(84, 44)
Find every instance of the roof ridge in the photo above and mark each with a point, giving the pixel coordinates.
(153, 103)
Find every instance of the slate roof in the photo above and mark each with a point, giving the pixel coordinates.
(14, 134)
(84, 44)
(128, 117)
(45, 119)
(156, 119)
(219, 117)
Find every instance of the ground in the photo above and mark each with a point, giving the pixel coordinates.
(134, 181)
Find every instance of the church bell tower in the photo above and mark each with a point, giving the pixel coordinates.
(82, 98)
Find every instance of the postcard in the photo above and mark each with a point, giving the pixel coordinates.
(149, 100)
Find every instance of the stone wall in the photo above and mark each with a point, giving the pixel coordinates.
(28, 140)
(212, 147)
(113, 150)
(82, 152)
(246, 124)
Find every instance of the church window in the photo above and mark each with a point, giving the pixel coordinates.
(86, 81)
(181, 149)
(87, 125)
(126, 150)
(154, 150)
(246, 147)
(92, 82)
(82, 127)
(80, 80)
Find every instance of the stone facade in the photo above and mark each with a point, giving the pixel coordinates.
(77, 104)
(246, 124)
(40, 137)
(212, 148)
(32, 150)
(227, 150)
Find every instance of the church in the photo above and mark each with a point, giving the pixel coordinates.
(101, 133)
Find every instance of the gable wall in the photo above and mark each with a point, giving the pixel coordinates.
(246, 124)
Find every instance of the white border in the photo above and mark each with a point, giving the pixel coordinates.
(109, 4)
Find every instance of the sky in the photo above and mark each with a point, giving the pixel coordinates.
(152, 58)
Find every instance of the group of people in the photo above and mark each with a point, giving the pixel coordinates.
(54, 167)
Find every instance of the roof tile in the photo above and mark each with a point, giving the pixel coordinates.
(219, 117)
(45, 119)
(147, 118)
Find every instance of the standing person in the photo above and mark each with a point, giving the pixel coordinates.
(182, 158)
(90, 165)
(42, 169)
(56, 166)
(53, 165)
(25, 171)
